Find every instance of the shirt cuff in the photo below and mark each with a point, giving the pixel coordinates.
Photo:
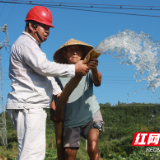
(57, 91)
(71, 69)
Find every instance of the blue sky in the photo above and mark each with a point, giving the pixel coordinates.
(118, 82)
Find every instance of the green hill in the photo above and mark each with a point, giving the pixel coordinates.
(121, 122)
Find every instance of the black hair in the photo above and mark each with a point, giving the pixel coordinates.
(34, 23)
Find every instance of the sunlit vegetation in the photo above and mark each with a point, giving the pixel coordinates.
(121, 122)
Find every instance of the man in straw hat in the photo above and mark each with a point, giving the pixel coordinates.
(82, 115)
(33, 85)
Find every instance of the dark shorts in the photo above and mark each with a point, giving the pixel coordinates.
(71, 136)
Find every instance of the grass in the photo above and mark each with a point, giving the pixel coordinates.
(10, 152)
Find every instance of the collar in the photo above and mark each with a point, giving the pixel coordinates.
(27, 34)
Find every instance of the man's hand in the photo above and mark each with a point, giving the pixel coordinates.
(93, 63)
(96, 75)
(53, 106)
(58, 95)
(52, 116)
(81, 69)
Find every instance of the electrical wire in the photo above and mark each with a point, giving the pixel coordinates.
(2, 9)
(10, 13)
(60, 6)
(110, 66)
(91, 4)
(115, 70)
(13, 14)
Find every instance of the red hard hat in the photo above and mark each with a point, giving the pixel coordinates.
(40, 14)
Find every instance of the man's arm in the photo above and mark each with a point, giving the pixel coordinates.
(37, 60)
(52, 112)
(97, 77)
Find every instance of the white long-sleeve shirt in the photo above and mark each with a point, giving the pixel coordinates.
(32, 75)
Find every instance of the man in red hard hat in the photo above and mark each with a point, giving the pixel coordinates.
(32, 84)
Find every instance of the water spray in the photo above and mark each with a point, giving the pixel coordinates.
(138, 50)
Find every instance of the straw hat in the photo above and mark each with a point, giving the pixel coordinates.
(58, 55)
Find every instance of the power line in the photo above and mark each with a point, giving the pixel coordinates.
(62, 6)
(95, 7)
(119, 80)
(108, 63)
(112, 66)
(115, 70)
(14, 14)
(2, 9)
(123, 83)
(116, 77)
(10, 13)
(90, 4)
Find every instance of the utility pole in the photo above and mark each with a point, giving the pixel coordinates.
(3, 135)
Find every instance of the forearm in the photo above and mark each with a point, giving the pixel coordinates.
(97, 77)
(52, 112)
(53, 106)
(37, 60)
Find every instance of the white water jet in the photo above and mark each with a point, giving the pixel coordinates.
(138, 50)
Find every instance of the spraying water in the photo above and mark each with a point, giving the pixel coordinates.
(138, 50)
